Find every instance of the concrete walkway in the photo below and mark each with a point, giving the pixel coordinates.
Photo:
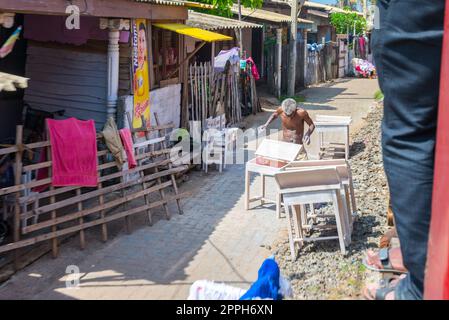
(215, 239)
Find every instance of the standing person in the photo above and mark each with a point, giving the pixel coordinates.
(407, 49)
(293, 120)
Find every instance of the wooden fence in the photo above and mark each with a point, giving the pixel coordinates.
(57, 212)
(214, 93)
(322, 65)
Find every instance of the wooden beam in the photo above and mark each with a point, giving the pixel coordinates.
(97, 8)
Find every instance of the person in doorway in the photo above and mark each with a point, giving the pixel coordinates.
(407, 46)
(293, 120)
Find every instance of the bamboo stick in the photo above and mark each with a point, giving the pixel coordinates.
(170, 166)
(17, 180)
(141, 174)
(81, 221)
(54, 242)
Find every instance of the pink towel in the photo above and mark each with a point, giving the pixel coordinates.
(73, 152)
(127, 141)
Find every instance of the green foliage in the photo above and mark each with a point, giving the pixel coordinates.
(299, 98)
(344, 22)
(378, 95)
(223, 7)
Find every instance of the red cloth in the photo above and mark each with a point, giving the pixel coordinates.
(127, 141)
(73, 152)
(254, 70)
(436, 285)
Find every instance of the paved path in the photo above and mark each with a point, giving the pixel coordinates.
(215, 239)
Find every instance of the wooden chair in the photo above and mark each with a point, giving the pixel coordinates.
(317, 185)
(345, 174)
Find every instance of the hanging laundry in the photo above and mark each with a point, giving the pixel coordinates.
(74, 152)
(127, 141)
(9, 44)
(224, 56)
(254, 70)
(361, 47)
(315, 47)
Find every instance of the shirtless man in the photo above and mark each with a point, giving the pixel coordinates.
(292, 122)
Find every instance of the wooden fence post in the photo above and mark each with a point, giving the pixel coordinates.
(17, 181)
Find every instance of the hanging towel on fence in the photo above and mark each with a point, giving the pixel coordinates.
(127, 141)
(112, 138)
(73, 152)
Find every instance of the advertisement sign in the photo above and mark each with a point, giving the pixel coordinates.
(141, 86)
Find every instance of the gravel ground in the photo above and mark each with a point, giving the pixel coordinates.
(321, 272)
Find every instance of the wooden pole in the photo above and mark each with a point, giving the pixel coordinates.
(293, 53)
(240, 29)
(54, 241)
(279, 61)
(212, 58)
(295, 9)
(17, 181)
(365, 9)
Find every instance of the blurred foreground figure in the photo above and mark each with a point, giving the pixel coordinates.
(407, 47)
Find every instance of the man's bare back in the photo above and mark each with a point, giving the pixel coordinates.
(293, 124)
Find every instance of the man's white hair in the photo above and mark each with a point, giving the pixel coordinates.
(288, 106)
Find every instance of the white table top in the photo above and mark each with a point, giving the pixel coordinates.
(279, 150)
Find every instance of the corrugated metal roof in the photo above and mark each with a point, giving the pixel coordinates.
(211, 22)
(316, 5)
(311, 4)
(10, 82)
(266, 15)
(182, 3)
(318, 13)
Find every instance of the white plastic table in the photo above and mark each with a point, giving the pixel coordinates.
(338, 124)
(273, 150)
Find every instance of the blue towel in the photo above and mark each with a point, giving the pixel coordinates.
(267, 284)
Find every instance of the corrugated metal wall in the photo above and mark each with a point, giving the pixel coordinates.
(73, 78)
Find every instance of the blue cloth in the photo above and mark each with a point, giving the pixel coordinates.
(267, 284)
(407, 51)
(315, 47)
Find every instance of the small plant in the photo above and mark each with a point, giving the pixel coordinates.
(378, 95)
